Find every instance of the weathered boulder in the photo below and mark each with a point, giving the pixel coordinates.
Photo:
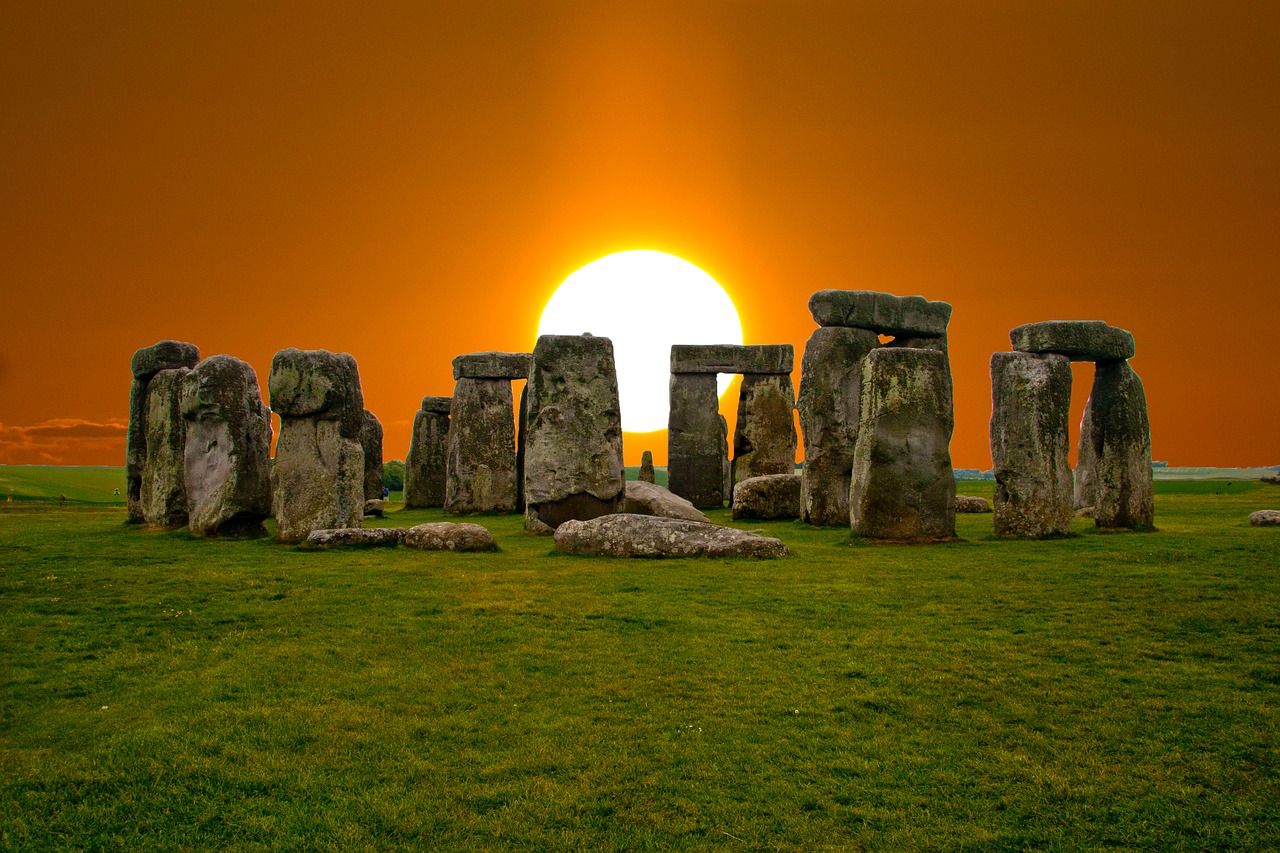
(164, 494)
(573, 448)
(764, 439)
(1078, 340)
(425, 466)
(732, 358)
(146, 363)
(227, 453)
(449, 536)
(355, 537)
(972, 503)
(646, 467)
(882, 313)
(650, 499)
(317, 481)
(371, 444)
(1031, 403)
(1265, 518)
(769, 496)
(1120, 437)
(374, 507)
(628, 535)
(492, 365)
(696, 447)
(903, 488)
(481, 465)
(830, 398)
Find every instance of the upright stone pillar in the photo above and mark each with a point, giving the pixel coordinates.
(764, 439)
(318, 476)
(573, 450)
(830, 399)
(903, 487)
(164, 495)
(1085, 495)
(1030, 408)
(426, 463)
(227, 456)
(371, 445)
(482, 466)
(147, 362)
(646, 474)
(1120, 436)
(695, 443)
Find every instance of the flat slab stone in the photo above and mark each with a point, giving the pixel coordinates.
(770, 496)
(1078, 340)
(354, 537)
(449, 536)
(437, 405)
(732, 358)
(163, 355)
(882, 313)
(972, 503)
(1265, 518)
(629, 535)
(645, 498)
(492, 365)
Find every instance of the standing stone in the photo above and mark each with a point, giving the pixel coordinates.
(522, 425)
(481, 467)
(903, 487)
(425, 465)
(371, 445)
(1120, 436)
(227, 458)
(764, 441)
(164, 497)
(573, 452)
(318, 477)
(1031, 403)
(695, 442)
(646, 467)
(146, 363)
(726, 463)
(1086, 462)
(830, 399)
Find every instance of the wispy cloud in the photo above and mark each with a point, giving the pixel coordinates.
(64, 441)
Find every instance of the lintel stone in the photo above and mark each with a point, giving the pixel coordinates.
(437, 405)
(732, 358)
(882, 313)
(492, 365)
(1078, 340)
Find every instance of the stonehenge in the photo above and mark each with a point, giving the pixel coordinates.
(163, 495)
(371, 445)
(573, 443)
(764, 437)
(1031, 395)
(481, 469)
(425, 464)
(646, 467)
(147, 362)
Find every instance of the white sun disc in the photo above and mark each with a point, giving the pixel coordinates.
(644, 301)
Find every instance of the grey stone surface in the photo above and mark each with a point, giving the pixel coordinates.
(1084, 491)
(732, 358)
(646, 474)
(764, 438)
(882, 313)
(644, 498)
(317, 384)
(374, 508)
(573, 446)
(371, 444)
(163, 355)
(1078, 340)
(425, 465)
(355, 537)
(146, 363)
(903, 488)
(1031, 403)
(449, 536)
(770, 496)
(628, 535)
(492, 365)
(972, 504)
(829, 402)
(1265, 518)
(696, 448)
(227, 455)
(164, 493)
(1120, 436)
(481, 467)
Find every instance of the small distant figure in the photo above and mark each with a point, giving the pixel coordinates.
(116, 493)
(646, 467)
(386, 492)
(62, 500)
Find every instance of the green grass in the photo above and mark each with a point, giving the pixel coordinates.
(74, 483)
(1110, 691)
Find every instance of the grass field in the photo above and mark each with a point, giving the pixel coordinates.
(1106, 692)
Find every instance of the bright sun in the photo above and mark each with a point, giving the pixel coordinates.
(644, 301)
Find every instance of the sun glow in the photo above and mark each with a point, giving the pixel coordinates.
(644, 301)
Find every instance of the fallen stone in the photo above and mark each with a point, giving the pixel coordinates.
(1084, 512)
(1078, 340)
(732, 358)
(374, 507)
(573, 446)
(645, 498)
(972, 503)
(371, 444)
(1120, 441)
(646, 467)
(770, 496)
(696, 447)
(1265, 518)
(449, 536)
(164, 493)
(764, 438)
(354, 537)
(481, 466)
(882, 313)
(426, 464)
(628, 535)
(492, 365)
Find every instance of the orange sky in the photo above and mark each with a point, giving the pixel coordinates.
(409, 184)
